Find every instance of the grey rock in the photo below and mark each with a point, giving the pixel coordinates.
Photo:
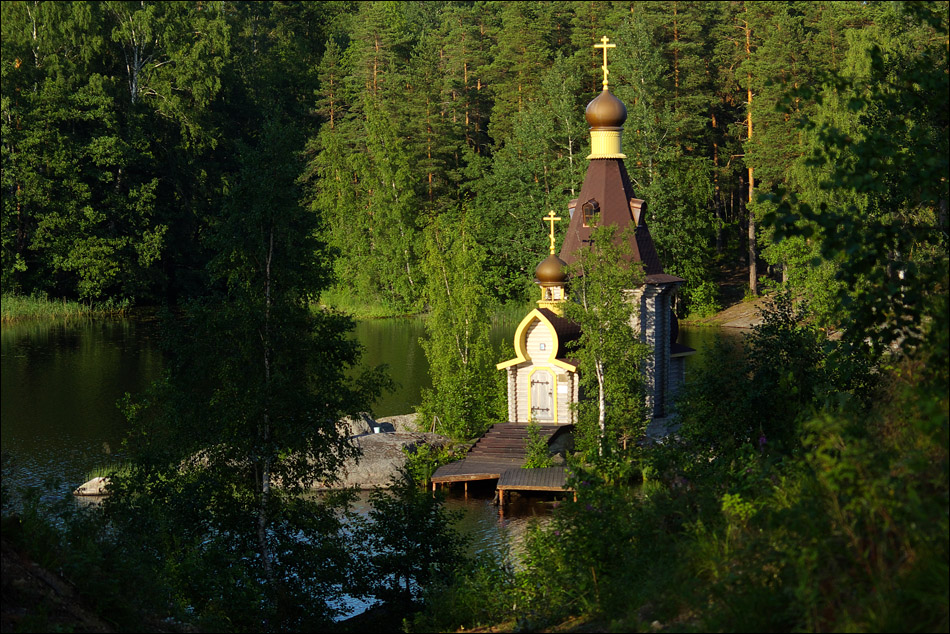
(359, 424)
(383, 457)
(403, 422)
(96, 486)
(382, 452)
(564, 443)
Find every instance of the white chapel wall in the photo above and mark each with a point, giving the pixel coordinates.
(564, 387)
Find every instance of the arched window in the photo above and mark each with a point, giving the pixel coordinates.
(591, 210)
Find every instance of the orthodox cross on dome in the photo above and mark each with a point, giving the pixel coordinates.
(604, 45)
(552, 219)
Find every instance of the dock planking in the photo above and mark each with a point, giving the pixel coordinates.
(499, 455)
(468, 469)
(501, 448)
(547, 479)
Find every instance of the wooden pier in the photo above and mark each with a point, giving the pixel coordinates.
(547, 479)
(499, 455)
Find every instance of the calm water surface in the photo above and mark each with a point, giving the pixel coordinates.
(59, 384)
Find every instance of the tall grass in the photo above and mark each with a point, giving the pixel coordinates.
(511, 312)
(38, 306)
(346, 302)
(115, 467)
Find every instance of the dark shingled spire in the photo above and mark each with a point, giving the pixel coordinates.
(607, 187)
(608, 184)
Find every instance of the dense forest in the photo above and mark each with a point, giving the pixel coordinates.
(125, 126)
(239, 161)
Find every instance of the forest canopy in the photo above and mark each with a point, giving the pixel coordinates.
(122, 124)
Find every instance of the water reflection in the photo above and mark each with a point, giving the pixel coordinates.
(397, 343)
(488, 530)
(59, 384)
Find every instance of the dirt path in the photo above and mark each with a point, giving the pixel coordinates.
(744, 314)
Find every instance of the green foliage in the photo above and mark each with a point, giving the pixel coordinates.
(77, 543)
(661, 136)
(866, 504)
(423, 460)
(236, 416)
(409, 540)
(609, 555)
(878, 227)
(103, 105)
(703, 301)
(848, 533)
(538, 167)
(482, 593)
(122, 122)
(344, 300)
(467, 394)
(609, 351)
(736, 509)
(537, 455)
(114, 173)
(755, 394)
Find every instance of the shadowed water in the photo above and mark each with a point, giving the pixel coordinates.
(59, 384)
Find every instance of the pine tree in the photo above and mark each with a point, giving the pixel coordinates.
(881, 227)
(465, 54)
(676, 183)
(538, 168)
(519, 57)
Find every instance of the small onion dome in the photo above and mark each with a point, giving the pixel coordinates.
(551, 271)
(606, 111)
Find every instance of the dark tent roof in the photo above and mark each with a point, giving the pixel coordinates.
(608, 184)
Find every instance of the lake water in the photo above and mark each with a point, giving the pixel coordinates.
(59, 383)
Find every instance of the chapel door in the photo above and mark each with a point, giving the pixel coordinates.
(542, 396)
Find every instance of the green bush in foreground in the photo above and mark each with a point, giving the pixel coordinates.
(841, 525)
(423, 460)
(537, 455)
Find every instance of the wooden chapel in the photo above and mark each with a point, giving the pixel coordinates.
(542, 381)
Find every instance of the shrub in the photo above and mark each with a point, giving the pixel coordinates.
(423, 460)
(537, 455)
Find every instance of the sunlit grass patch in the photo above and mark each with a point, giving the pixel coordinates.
(38, 306)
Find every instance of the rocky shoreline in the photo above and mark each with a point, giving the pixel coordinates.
(383, 444)
(384, 453)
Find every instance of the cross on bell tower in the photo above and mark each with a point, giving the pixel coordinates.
(604, 45)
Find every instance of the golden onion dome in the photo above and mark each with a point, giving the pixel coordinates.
(606, 111)
(551, 271)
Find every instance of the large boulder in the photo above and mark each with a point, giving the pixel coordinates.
(384, 456)
(95, 487)
(403, 422)
(363, 423)
(359, 424)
